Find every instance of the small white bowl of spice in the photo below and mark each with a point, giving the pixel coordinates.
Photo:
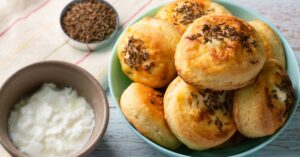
(89, 24)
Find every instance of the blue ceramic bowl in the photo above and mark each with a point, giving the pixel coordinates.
(118, 82)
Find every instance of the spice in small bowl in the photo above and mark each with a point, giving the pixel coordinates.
(89, 24)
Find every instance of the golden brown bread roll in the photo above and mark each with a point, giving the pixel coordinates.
(219, 52)
(262, 107)
(182, 13)
(272, 43)
(201, 119)
(146, 52)
(143, 108)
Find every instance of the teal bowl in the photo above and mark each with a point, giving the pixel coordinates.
(118, 82)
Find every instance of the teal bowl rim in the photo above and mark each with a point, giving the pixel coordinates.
(287, 47)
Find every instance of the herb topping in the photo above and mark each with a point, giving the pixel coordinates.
(215, 100)
(135, 54)
(189, 11)
(221, 32)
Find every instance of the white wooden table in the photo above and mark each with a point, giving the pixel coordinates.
(285, 14)
(119, 140)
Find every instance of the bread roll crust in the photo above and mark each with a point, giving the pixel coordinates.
(201, 119)
(272, 43)
(143, 108)
(182, 13)
(146, 52)
(262, 107)
(219, 52)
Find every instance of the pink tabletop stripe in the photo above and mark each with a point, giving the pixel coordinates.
(133, 15)
(84, 57)
(23, 18)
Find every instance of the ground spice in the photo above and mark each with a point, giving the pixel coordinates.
(89, 21)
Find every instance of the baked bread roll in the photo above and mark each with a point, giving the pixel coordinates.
(182, 13)
(143, 108)
(219, 52)
(272, 43)
(262, 107)
(201, 119)
(146, 52)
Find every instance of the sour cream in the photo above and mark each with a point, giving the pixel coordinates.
(53, 122)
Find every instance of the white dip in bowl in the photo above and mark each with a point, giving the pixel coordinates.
(53, 122)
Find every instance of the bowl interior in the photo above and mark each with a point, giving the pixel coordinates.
(118, 82)
(30, 78)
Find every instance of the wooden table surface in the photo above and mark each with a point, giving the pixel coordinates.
(285, 14)
(119, 140)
